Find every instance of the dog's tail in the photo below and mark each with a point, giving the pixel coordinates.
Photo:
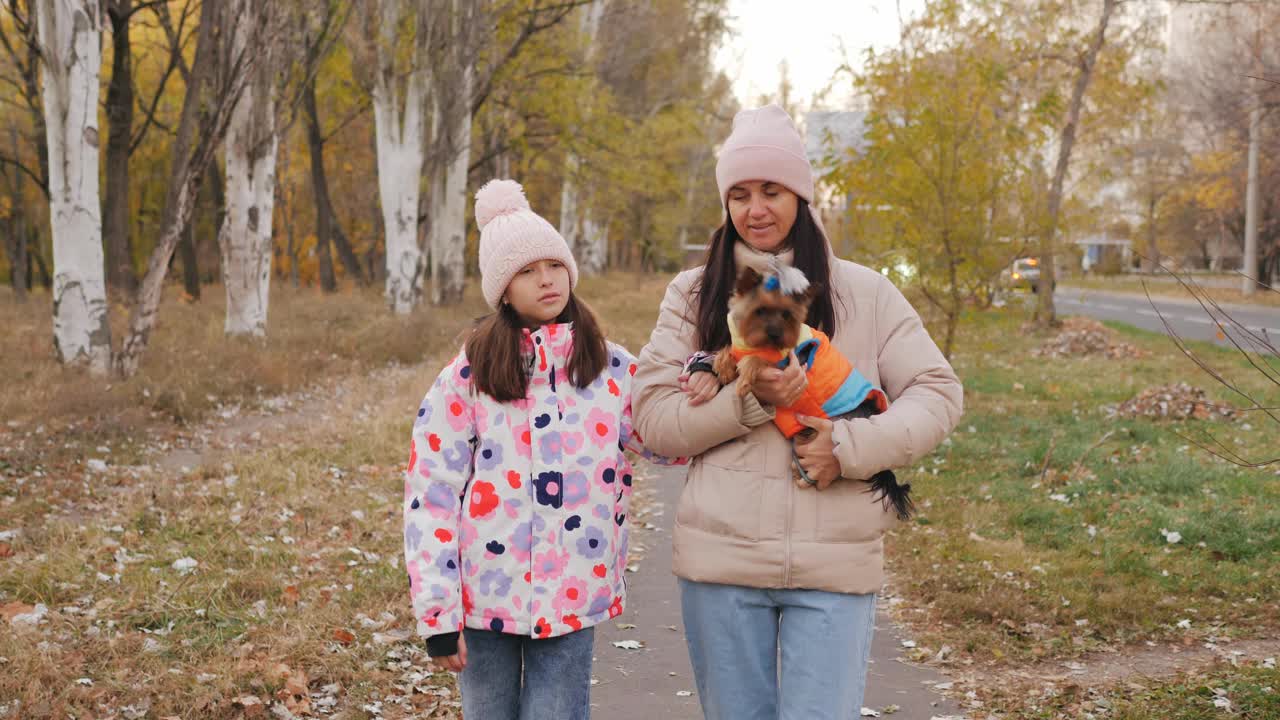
(885, 488)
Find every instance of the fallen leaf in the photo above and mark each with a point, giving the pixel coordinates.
(291, 595)
(297, 683)
(253, 707)
(628, 644)
(11, 609)
(346, 637)
(6, 550)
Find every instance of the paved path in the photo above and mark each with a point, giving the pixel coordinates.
(1186, 316)
(656, 683)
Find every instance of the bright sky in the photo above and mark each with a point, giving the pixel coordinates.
(810, 35)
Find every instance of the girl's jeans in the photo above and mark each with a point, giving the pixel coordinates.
(512, 677)
(737, 635)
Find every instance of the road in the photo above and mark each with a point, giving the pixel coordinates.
(1186, 317)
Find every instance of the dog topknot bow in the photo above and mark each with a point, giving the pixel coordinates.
(786, 279)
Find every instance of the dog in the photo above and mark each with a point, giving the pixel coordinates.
(766, 322)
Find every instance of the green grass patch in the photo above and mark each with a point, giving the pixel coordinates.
(1050, 528)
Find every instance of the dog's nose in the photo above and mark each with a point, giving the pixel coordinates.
(774, 334)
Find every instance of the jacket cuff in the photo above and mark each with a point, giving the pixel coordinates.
(754, 413)
(442, 645)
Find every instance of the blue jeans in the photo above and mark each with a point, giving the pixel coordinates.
(513, 677)
(736, 635)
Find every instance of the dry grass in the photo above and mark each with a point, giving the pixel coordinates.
(191, 369)
(298, 597)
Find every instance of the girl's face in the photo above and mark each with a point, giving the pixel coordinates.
(539, 292)
(763, 212)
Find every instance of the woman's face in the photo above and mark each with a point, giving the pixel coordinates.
(539, 292)
(763, 212)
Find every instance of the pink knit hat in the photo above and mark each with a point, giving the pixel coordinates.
(764, 145)
(512, 236)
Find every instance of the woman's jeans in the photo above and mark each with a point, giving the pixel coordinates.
(512, 677)
(737, 634)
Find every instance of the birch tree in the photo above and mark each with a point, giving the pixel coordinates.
(219, 74)
(245, 236)
(399, 117)
(452, 105)
(70, 34)
(588, 240)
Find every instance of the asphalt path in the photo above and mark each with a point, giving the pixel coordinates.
(1184, 316)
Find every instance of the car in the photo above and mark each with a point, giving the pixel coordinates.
(1024, 273)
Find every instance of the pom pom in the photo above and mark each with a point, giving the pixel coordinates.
(499, 197)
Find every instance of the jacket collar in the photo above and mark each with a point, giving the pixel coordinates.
(553, 339)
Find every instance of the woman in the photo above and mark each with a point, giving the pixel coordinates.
(769, 570)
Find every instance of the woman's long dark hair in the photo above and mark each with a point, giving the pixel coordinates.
(499, 371)
(720, 275)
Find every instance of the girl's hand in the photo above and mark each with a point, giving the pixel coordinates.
(818, 454)
(455, 663)
(781, 388)
(700, 387)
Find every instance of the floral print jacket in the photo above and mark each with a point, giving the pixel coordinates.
(515, 513)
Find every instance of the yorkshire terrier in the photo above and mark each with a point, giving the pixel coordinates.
(766, 322)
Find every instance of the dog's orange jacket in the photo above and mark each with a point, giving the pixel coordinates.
(835, 387)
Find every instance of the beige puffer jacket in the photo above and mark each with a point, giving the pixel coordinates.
(741, 520)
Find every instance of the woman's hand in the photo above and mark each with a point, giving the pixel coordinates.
(700, 387)
(455, 663)
(781, 387)
(817, 454)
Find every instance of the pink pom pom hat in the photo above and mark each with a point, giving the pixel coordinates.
(511, 236)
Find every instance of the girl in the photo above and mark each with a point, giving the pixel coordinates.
(777, 581)
(517, 486)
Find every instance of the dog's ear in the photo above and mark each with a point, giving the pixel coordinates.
(814, 290)
(748, 279)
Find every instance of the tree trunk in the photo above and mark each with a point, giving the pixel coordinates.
(1153, 250)
(71, 37)
(449, 228)
(400, 150)
(327, 226)
(245, 236)
(190, 262)
(119, 112)
(16, 247)
(36, 263)
(16, 242)
(589, 245)
(1046, 315)
(206, 112)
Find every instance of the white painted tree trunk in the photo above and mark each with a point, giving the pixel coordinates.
(587, 240)
(399, 127)
(245, 235)
(71, 36)
(449, 227)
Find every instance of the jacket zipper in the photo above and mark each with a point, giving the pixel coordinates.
(786, 533)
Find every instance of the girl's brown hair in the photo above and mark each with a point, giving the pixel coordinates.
(493, 350)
